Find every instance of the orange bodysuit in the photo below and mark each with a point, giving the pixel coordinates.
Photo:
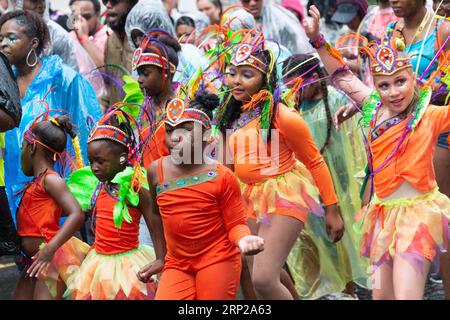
(414, 162)
(204, 218)
(256, 161)
(38, 214)
(156, 147)
(108, 238)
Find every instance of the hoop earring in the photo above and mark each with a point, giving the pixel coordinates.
(36, 59)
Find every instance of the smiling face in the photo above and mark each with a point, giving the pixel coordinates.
(184, 140)
(244, 82)
(253, 6)
(15, 43)
(397, 90)
(104, 158)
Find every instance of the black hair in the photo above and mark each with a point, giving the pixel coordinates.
(185, 21)
(95, 3)
(313, 66)
(165, 43)
(54, 136)
(34, 25)
(233, 107)
(205, 102)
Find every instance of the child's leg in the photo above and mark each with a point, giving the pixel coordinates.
(219, 281)
(24, 288)
(246, 281)
(382, 283)
(176, 285)
(279, 235)
(409, 280)
(41, 291)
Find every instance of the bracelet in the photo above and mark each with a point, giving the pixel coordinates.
(318, 42)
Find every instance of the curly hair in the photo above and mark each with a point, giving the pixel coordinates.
(34, 25)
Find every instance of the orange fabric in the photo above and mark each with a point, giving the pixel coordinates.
(108, 238)
(203, 222)
(38, 214)
(255, 162)
(414, 162)
(219, 281)
(156, 147)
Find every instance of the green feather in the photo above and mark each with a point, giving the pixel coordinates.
(82, 184)
(368, 107)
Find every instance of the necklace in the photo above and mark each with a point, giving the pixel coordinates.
(419, 30)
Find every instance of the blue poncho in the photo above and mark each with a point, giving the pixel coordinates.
(72, 93)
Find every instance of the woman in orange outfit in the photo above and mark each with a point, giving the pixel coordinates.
(406, 223)
(277, 162)
(202, 213)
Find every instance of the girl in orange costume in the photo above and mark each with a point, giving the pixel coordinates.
(201, 210)
(116, 193)
(156, 61)
(279, 190)
(45, 198)
(407, 220)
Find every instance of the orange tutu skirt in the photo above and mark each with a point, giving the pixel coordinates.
(65, 262)
(292, 193)
(112, 277)
(417, 226)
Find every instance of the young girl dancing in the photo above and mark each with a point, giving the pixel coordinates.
(199, 206)
(119, 197)
(47, 250)
(268, 140)
(406, 222)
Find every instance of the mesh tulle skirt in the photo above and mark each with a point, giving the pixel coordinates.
(112, 277)
(417, 226)
(292, 193)
(66, 261)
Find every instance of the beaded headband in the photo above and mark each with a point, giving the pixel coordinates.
(140, 58)
(243, 57)
(387, 62)
(176, 113)
(107, 132)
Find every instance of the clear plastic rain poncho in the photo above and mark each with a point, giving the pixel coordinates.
(60, 42)
(151, 14)
(282, 27)
(201, 20)
(242, 19)
(71, 92)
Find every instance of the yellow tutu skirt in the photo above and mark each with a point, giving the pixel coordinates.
(65, 262)
(292, 193)
(417, 226)
(112, 277)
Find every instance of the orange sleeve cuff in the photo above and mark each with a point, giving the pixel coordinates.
(238, 232)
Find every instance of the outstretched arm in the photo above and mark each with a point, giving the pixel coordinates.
(345, 80)
(150, 211)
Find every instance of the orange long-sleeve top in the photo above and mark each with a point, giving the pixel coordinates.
(156, 147)
(203, 216)
(108, 238)
(38, 214)
(414, 162)
(256, 160)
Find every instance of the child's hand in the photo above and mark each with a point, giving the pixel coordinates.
(42, 260)
(334, 223)
(312, 26)
(250, 245)
(155, 267)
(343, 113)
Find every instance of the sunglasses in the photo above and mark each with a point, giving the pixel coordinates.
(113, 2)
